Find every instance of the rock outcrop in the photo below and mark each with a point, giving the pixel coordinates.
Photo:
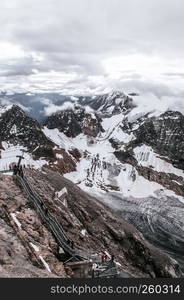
(164, 133)
(168, 180)
(75, 121)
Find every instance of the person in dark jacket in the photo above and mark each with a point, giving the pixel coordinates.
(15, 170)
(112, 258)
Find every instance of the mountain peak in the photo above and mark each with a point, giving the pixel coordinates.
(116, 93)
(109, 104)
(3, 109)
(12, 107)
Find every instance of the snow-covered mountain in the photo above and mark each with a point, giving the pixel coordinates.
(74, 121)
(21, 134)
(128, 155)
(128, 147)
(109, 134)
(135, 165)
(109, 104)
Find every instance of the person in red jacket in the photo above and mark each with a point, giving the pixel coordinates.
(104, 257)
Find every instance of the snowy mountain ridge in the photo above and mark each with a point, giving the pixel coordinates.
(108, 104)
(22, 135)
(136, 105)
(3, 109)
(128, 158)
(102, 154)
(113, 138)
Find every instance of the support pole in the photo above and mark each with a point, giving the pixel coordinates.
(19, 161)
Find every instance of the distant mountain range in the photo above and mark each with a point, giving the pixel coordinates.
(34, 104)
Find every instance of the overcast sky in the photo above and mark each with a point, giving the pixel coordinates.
(92, 46)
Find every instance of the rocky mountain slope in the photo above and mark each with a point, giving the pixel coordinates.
(26, 246)
(127, 157)
(156, 141)
(29, 250)
(165, 134)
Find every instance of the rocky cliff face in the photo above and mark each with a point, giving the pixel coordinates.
(169, 181)
(164, 133)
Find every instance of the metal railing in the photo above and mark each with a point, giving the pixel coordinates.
(54, 226)
(56, 223)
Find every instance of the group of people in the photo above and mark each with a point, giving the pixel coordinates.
(18, 170)
(98, 267)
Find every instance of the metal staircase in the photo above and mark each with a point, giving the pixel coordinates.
(105, 269)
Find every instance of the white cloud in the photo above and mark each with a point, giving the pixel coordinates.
(149, 103)
(87, 47)
(9, 50)
(52, 108)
